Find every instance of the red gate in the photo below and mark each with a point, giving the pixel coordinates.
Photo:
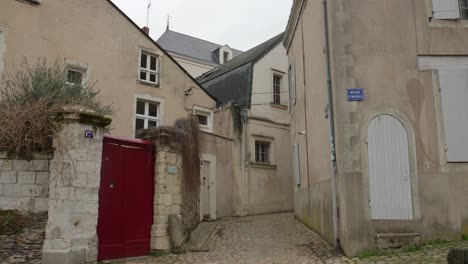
(125, 198)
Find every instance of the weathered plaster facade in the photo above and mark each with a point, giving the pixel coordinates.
(61, 31)
(375, 45)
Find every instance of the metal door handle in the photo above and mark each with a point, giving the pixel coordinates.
(111, 184)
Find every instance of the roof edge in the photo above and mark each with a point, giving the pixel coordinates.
(159, 47)
(296, 10)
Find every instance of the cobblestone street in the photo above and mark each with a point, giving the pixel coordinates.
(277, 238)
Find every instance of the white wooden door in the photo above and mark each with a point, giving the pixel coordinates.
(205, 189)
(389, 169)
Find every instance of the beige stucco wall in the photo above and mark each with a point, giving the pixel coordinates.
(375, 46)
(94, 33)
(269, 188)
(312, 198)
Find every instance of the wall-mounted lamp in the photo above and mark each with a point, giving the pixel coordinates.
(301, 133)
(189, 92)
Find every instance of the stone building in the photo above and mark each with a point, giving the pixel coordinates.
(255, 83)
(379, 120)
(197, 56)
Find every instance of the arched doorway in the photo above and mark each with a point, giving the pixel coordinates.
(389, 169)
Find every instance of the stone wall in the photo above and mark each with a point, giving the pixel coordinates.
(167, 194)
(71, 235)
(24, 185)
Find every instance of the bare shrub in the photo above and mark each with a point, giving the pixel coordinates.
(30, 100)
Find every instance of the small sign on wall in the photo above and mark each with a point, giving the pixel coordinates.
(355, 94)
(172, 169)
(89, 134)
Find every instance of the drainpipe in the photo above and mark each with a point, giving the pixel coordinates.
(331, 120)
(244, 117)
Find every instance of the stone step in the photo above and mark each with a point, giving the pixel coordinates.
(396, 241)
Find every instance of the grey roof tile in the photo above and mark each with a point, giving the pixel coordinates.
(232, 81)
(190, 46)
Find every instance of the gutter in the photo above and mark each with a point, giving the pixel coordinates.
(331, 120)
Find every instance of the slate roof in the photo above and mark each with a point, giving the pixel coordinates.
(232, 81)
(191, 47)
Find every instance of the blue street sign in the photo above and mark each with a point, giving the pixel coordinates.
(89, 134)
(355, 94)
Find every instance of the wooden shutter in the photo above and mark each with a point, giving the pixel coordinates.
(446, 9)
(454, 95)
(297, 167)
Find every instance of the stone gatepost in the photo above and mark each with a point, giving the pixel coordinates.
(74, 185)
(167, 193)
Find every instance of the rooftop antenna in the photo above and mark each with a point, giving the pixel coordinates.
(168, 21)
(147, 13)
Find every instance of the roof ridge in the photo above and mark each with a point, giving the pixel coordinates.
(197, 38)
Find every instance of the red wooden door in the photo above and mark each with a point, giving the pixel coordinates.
(125, 198)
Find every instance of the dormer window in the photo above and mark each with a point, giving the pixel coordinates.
(225, 56)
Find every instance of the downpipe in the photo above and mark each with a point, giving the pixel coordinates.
(244, 117)
(331, 121)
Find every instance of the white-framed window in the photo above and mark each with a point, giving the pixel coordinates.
(147, 114)
(262, 152)
(149, 68)
(450, 9)
(451, 95)
(75, 75)
(75, 72)
(205, 118)
(277, 83)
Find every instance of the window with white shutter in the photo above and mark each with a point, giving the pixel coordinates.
(446, 9)
(2, 50)
(296, 164)
(454, 95)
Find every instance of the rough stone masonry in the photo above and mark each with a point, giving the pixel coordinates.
(24, 185)
(71, 235)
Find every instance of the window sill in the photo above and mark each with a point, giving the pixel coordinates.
(448, 23)
(280, 106)
(155, 85)
(30, 2)
(263, 166)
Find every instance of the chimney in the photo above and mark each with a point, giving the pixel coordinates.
(146, 30)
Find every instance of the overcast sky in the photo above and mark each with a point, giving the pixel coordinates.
(242, 24)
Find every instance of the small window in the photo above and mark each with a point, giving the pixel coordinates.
(149, 68)
(225, 56)
(146, 115)
(204, 119)
(75, 75)
(262, 152)
(277, 89)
